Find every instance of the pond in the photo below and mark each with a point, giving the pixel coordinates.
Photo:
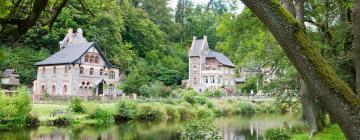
(232, 128)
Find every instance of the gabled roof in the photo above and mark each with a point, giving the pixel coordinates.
(196, 48)
(71, 54)
(221, 58)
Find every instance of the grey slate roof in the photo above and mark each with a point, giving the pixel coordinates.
(221, 58)
(196, 49)
(70, 55)
(67, 55)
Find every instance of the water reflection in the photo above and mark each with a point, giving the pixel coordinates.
(232, 128)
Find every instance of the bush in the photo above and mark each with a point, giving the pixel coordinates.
(217, 93)
(186, 112)
(148, 111)
(15, 109)
(60, 121)
(102, 116)
(32, 120)
(298, 129)
(201, 100)
(171, 112)
(200, 130)
(204, 113)
(189, 96)
(157, 89)
(126, 109)
(276, 134)
(76, 105)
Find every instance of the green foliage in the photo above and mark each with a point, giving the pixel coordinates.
(60, 121)
(193, 97)
(186, 112)
(126, 109)
(204, 113)
(15, 109)
(134, 80)
(156, 89)
(277, 134)
(76, 105)
(199, 130)
(102, 116)
(150, 112)
(171, 112)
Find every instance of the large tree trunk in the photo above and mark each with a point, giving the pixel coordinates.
(356, 27)
(308, 104)
(333, 94)
(312, 112)
(56, 13)
(37, 9)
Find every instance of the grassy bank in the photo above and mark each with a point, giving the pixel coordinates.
(332, 132)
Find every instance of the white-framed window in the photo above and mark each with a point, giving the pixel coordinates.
(81, 71)
(206, 79)
(111, 88)
(91, 71)
(212, 79)
(194, 68)
(111, 75)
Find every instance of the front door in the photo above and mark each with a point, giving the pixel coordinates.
(101, 88)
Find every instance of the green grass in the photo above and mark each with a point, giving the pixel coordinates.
(332, 132)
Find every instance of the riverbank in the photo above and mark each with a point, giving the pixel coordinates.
(331, 132)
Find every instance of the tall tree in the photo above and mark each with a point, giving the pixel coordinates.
(333, 94)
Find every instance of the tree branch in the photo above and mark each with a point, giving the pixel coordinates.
(56, 13)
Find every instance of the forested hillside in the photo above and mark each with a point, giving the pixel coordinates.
(146, 39)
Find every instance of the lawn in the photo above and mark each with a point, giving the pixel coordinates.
(332, 132)
(43, 110)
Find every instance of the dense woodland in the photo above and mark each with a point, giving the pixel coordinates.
(148, 41)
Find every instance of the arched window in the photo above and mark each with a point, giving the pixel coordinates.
(81, 70)
(85, 90)
(81, 90)
(101, 72)
(54, 70)
(91, 71)
(42, 89)
(111, 75)
(43, 70)
(86, 58)
(111, 88)
(53, 90)
(96, 59)
(65, 90)
(92, 59)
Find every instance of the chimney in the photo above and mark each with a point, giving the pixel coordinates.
(70, 35)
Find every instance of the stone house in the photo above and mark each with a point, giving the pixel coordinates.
(79, 68)
(209, 69)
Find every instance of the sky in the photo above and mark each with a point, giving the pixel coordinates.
(173, 4)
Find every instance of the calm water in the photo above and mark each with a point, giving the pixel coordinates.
(232, 128)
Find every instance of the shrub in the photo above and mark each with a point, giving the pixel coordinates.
(14, 110)
(76, 105)
(60, 121)
(245, 108)
(126, 109)
(102, 116)
(171, 112)
(199, 130)
(32, 120)
(150, 112)
(204, 113)
(298, 129)
(210, 104)
(157, 89)
(200, 99)
(186, 112)
(276, 134)
(189, 96)
(217, 93)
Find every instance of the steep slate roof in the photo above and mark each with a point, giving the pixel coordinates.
(221, 58)
(196, 49)
(71, 54)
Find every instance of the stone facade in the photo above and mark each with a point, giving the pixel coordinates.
(208, 69)
(88, 74)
